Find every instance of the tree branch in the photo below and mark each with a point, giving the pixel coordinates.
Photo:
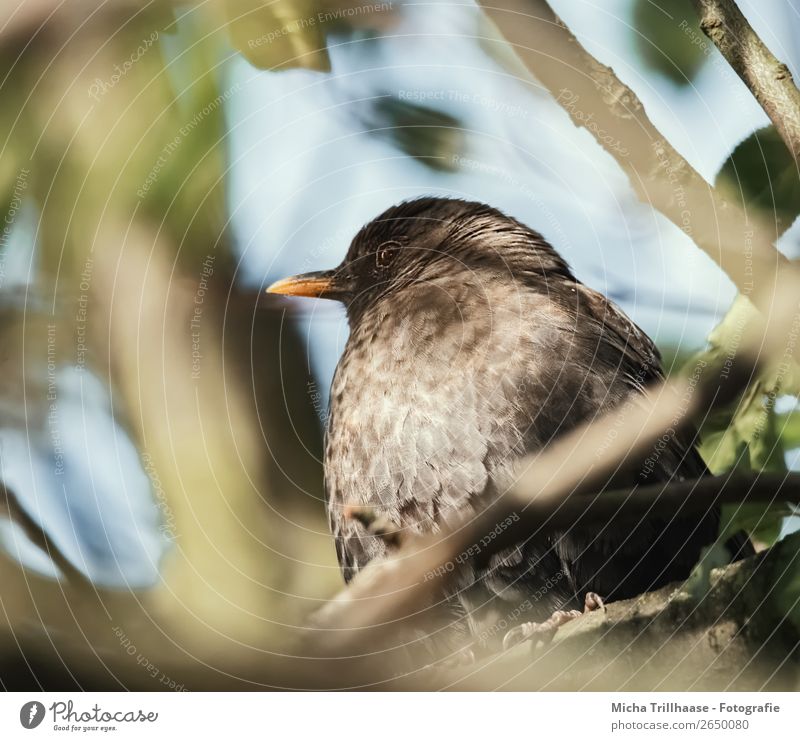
(595, 99)
(767, 77)
(404, 587)
(17, 513)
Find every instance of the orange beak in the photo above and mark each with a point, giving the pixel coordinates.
(312, 285)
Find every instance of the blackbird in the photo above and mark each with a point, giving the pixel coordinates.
(471, 345)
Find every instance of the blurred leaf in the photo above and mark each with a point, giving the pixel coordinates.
(184, 186)
(282, 33)
(763, 524)
(669, 38)
(431, 136)
(786, 594)
(761, 173)
(712, 557)
(789, 428)
(747, 434)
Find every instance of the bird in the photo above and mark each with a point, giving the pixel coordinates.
(472, 344)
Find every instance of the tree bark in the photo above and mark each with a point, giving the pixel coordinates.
(766, 76)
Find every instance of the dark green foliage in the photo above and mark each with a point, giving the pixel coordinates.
(428, 135)
(747, 434)
(761, 173)
(669, 38)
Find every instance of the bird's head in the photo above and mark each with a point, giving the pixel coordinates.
(427, 240)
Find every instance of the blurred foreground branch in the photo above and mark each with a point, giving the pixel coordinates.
(767, 77)
(34, 532)
(735, 635)
(403, 586)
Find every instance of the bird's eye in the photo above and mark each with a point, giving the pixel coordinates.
(385, 254)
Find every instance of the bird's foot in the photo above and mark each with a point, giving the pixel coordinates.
(543, 633)
(376, 524)
(593, 601)
(539, 633)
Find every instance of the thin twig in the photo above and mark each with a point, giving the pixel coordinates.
(596, 99)
(764, 74)
(18, 514)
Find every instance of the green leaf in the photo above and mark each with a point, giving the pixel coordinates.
(786, 594)
(669, 38)
(762, 522)
(431, 136)
(711, 557)
(761, 173)
(747, 435)
(278, 33)
(788, 425)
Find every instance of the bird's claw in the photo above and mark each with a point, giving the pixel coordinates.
(543, 633)
(593, 601)
(540, 633)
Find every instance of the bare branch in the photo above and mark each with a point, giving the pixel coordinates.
(767, 77)
(595, 99)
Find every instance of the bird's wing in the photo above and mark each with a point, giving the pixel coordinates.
(622, 361)
(638, 365)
